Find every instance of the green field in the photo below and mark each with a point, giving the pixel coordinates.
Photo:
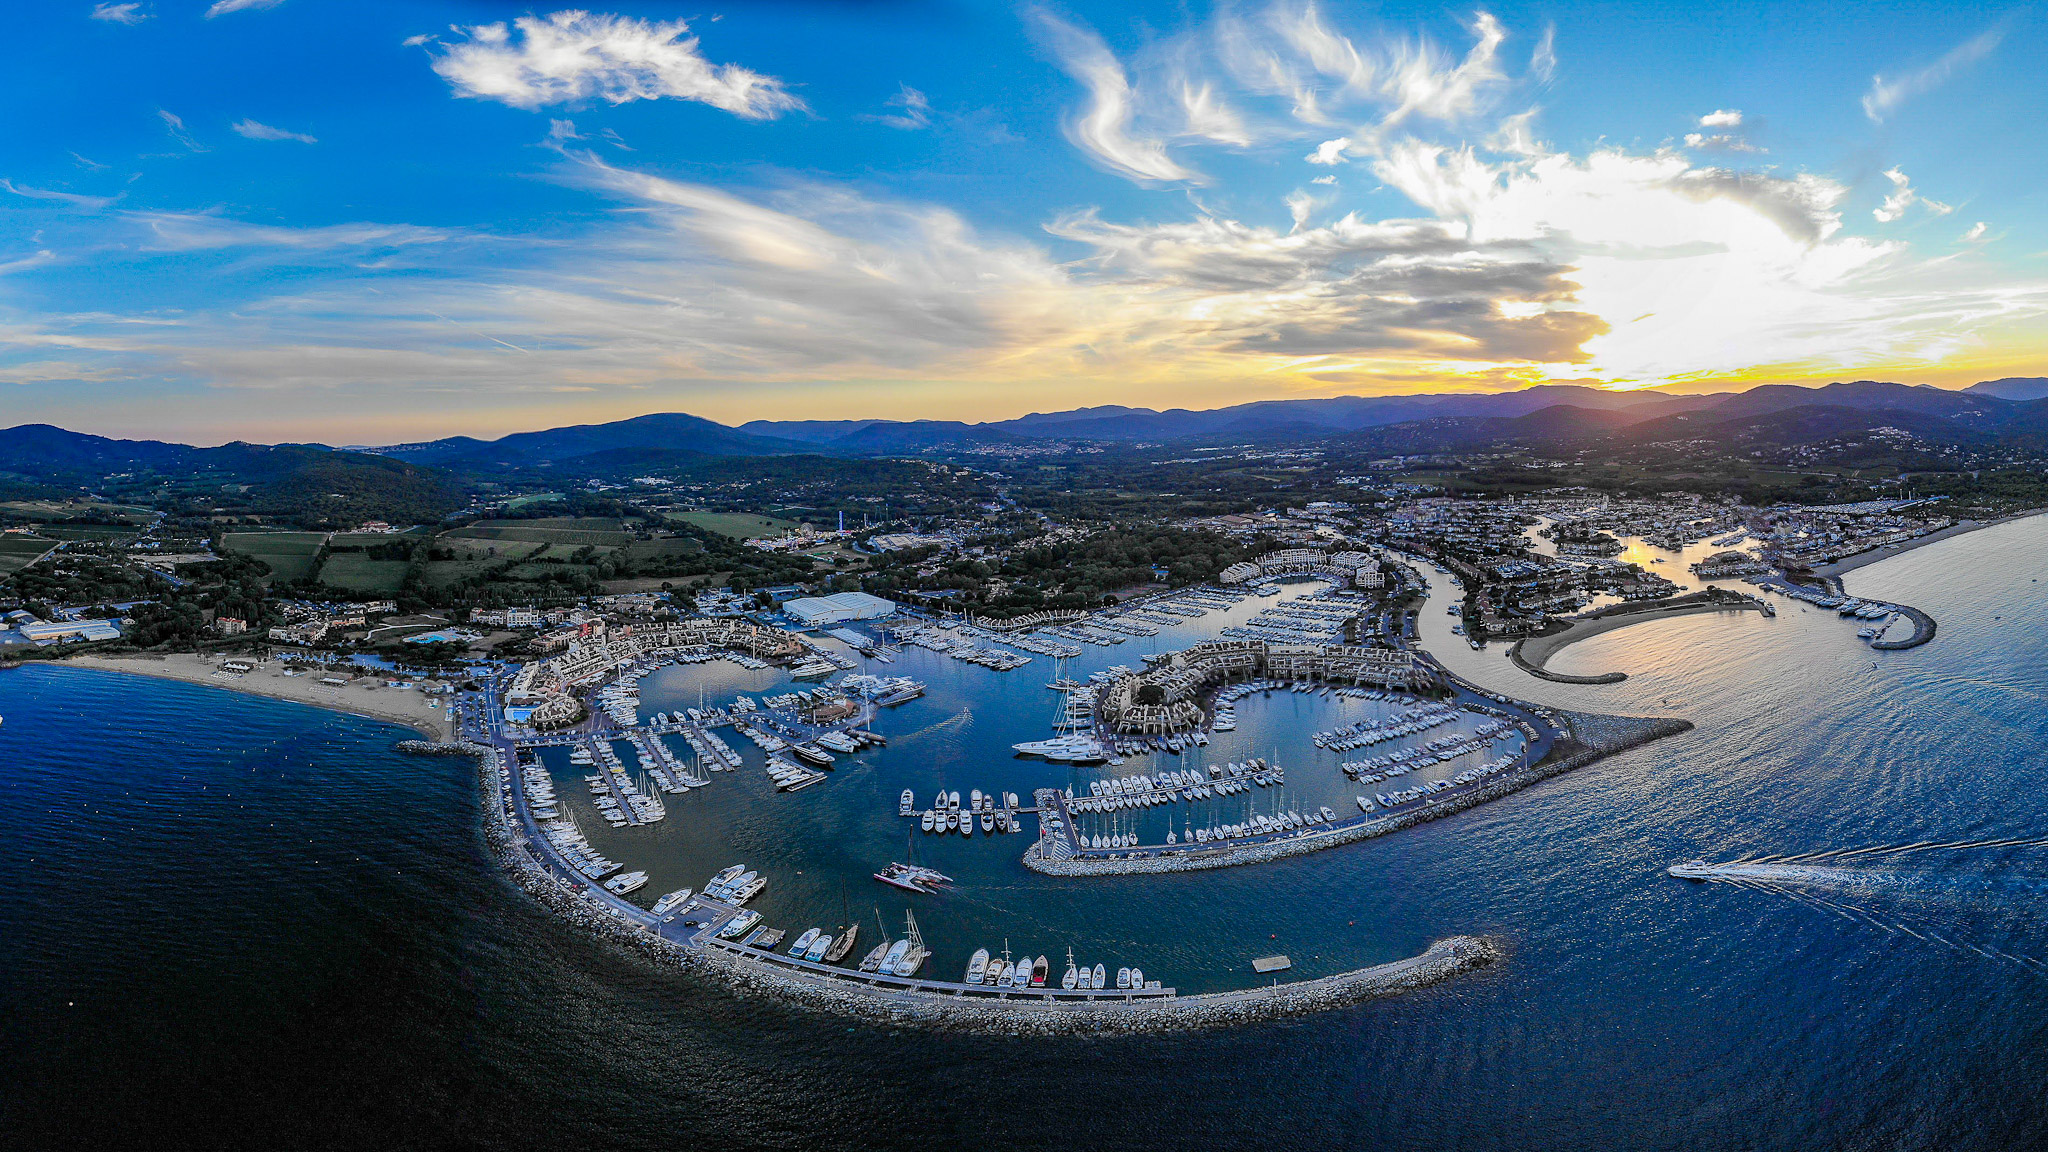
(570, 531)
(738, 525)
(642, 550)
(18, 551)
(61, 509)
(358, 573)
(104, 533)
(289, 554)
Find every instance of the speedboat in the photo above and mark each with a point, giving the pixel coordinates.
(894, 956)
(1101, 974)
(976, 967)
(1039, 968)
(1123, 977)
(819, 947)
(803, 942)
(626, 882)
(671, 901)
(1691, 870)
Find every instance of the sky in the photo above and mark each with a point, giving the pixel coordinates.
(350, 221)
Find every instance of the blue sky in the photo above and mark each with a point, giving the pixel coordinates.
(365, 222)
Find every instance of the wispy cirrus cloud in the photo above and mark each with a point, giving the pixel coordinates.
(574, 56)
(1104, 128)
(175, 125)
(1888, 93)
(912, 110)
(120, 13)
(1904, 196)
(74, 199)
(255, 130)
(224, 7)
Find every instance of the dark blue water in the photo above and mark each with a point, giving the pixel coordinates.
(239, 922)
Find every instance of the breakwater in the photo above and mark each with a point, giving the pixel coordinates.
(1923, 631)
(1592, 737)
(850, 996)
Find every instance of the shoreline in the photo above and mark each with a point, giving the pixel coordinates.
(404, 707)
(1596, 735)
(1848, 564)
(1531, 653)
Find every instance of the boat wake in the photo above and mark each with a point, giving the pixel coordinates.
(1978, 896)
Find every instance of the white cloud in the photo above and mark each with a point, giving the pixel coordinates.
(1886, 95)
(1329, 152)
(223, 7)
(188, 232)
(1543, 61)
(258, 131)
(74, 199)
(1902, 197)
(1976, 232)
(120, 13)
(1324, 179)
(1104, 128)
(571, 56)
(176, 127)
(1722, 118)
(1719, 142)
(415, 41)
(913, 110)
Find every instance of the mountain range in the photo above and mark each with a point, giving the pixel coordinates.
(2014, 409)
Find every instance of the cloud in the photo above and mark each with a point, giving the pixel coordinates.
(1329, 152)
(572, 56)
(257, 131)
(1886, 95)
(1903, 197)
(72, 198)
(192, 232)
(176, 127)
(223, 7)
(1722, 118)
(1543, 61)
(914, 110)
(120, 13)
(1975, 234)
(1719, 142)
(1103, 129)
(1324, 179)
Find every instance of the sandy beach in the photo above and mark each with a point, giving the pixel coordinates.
(1536, 650)
(365, 697)
(1864, 559)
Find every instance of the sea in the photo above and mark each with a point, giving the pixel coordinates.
(233, 922)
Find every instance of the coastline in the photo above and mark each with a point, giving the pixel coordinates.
(1531, 653)
(1848, 564)
(405, 707)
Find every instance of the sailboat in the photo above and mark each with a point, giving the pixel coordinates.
(843, 943)
(913, 957)
(1073, 974)
(872, 962)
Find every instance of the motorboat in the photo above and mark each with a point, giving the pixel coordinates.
(976, 966)
(671, 902)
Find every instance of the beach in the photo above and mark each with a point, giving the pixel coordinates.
(1533, 652)
(1864, 559)
(367, 696)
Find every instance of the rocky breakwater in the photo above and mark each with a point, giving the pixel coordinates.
(1591, 736)
(1047, 1017)
(441, 748)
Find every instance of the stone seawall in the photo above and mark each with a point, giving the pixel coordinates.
(1593, 736)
